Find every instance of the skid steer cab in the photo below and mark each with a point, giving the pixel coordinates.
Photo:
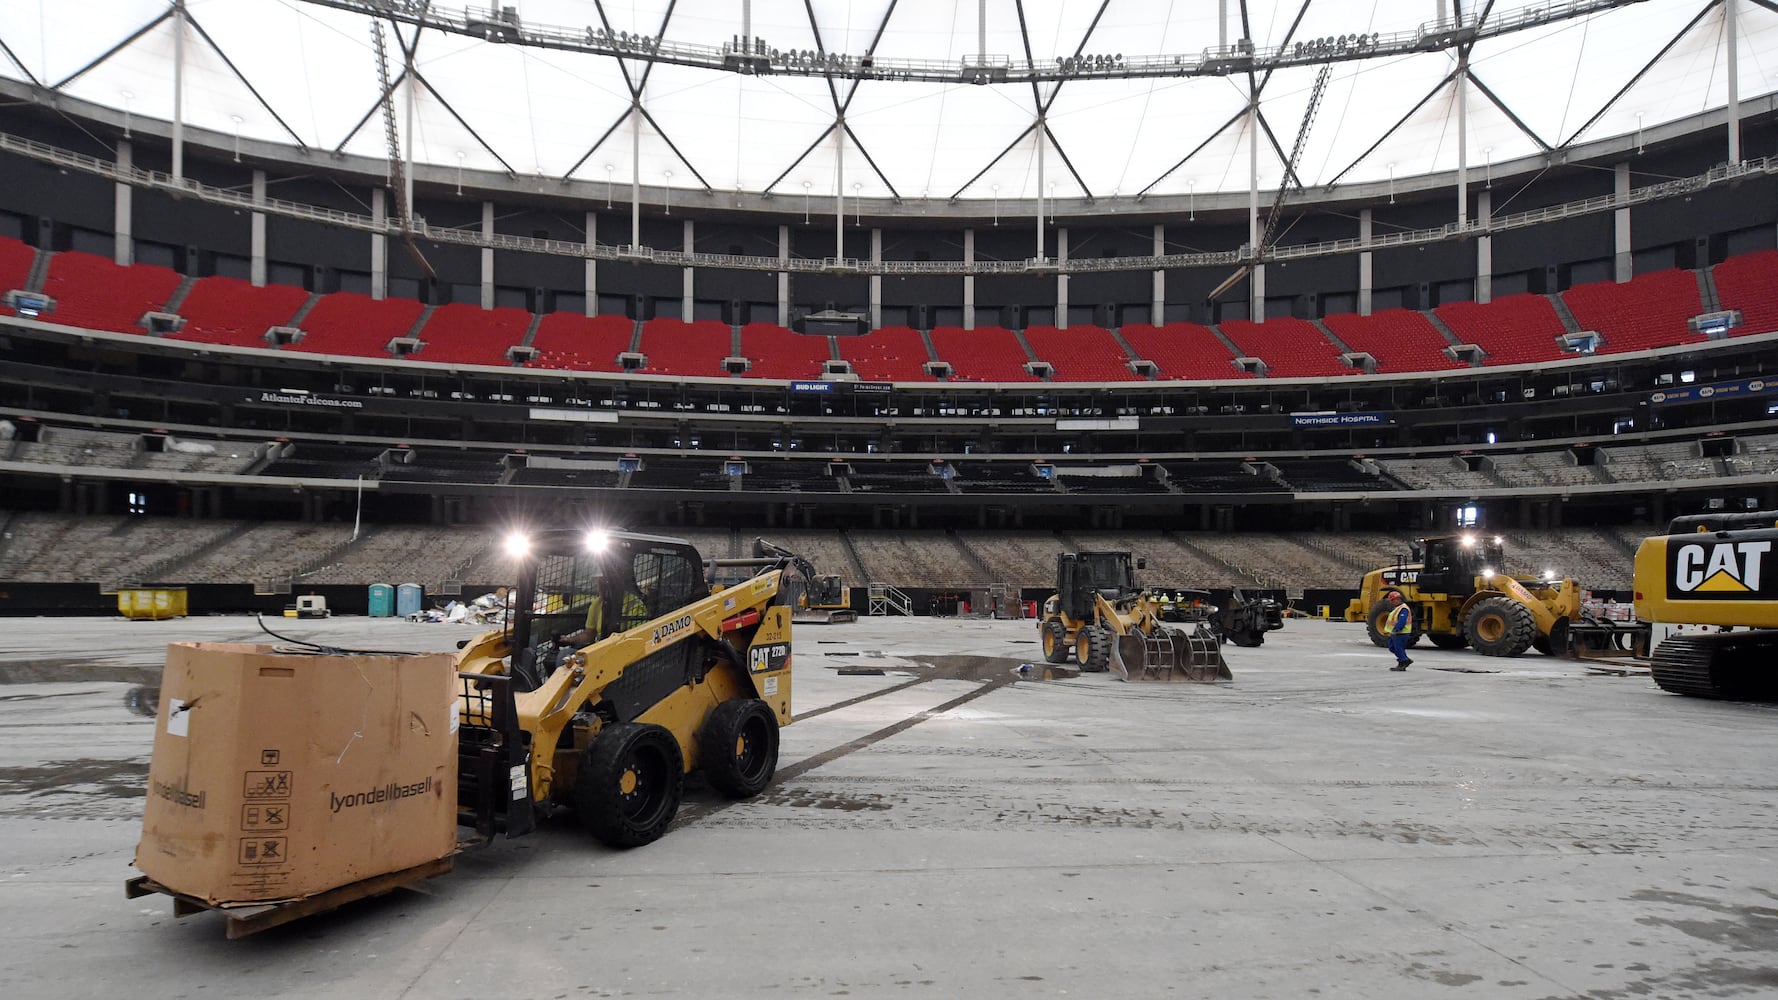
(620, 671)
(1461, 596)
(1100, 618)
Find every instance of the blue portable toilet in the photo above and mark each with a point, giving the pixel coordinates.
(408, 598)
(382, 600)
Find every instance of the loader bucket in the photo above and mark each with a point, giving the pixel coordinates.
(1166, 654)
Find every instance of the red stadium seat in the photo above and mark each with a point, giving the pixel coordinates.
(15, 264)
(891, 354)
(1183, 351)
(1645, 312)
(780, 353)
(582, 343)
(93, 293)
(1400, 339)
(1513, 330)
(221, 310)
(1291, 348)
(356, 324)
(1749, 283)
(465, 334)
(675, 347)
(984, 354)
(1081, 354)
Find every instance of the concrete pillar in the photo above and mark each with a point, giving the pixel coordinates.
(1158, 308)
(1484, 249)
(876, 280)
(257, 269)
(784, 277)
(487, 256)
(123, 247)
(1622, 268)
(592, 267)
(685, 278)
(1061, 280)
(1364, 263)
(969, 280)
(379, 245)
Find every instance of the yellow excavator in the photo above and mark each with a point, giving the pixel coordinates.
(620, 671)
(1100, 617)
(1714, 570)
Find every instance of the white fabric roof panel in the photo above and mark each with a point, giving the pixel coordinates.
(541, 111)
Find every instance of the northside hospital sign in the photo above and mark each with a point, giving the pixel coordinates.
(1328, 418)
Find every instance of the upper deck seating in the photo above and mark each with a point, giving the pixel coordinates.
(221, 310)
(464, 334)
(1291, 348)
(1749, 282)
(696, 349)
(1646, 312)
(1513, 330)
(1081, 354)
(1401, 340)
(984, 354)
(1183, 351)
(780, 353)
(356, 324)
(581, 343)
(93, 293)
(890, 354)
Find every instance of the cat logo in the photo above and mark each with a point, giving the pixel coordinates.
(1720, 569)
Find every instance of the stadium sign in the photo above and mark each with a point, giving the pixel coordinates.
(1327, 418)
(872, 387)
(300, 398)
(811, 387)
(1721, 390)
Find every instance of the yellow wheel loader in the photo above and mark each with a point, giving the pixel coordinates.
(1461, 597)
(1098, 617)
(1714, 570)
(620, 672)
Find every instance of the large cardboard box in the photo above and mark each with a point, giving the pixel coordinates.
(278, 775)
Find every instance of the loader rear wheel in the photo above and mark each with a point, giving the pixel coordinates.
(1448, 640)
(1092, 649)
(1373, 625)
(1500, 626)
(1055, 642)
(738, 747)
(629, 784)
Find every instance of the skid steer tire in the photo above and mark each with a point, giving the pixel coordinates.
(628, 787)
(1247, 638)
(1449, 640)
(1092, 649)
(1055, 642)
(1373, 625)
(738, 747)
(1500, 626)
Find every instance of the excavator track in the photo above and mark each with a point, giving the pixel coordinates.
(1735, 666)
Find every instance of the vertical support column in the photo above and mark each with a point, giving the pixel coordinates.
(685, 277)
(636, 173)
(379, 245)
(1256, 281)
(487, 256)
(1041, 126)
(1462, 139)
(969, 280)
(839, 189)
(123, 246)
(592, 267)
(1158, 307)
(1061, 279)
(257, 268)
(1622, 267)
(179, 92)
(876, 280)
(784, 278)
(1364, 263)
(1484, 249)
(1732, 43)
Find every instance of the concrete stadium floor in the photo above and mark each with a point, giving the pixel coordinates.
(1321, 827)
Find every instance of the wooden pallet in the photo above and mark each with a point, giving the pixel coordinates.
(252, 918)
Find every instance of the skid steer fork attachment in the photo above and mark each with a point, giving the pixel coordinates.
(1165, 654)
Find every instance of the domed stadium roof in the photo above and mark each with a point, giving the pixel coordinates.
(996, 100)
